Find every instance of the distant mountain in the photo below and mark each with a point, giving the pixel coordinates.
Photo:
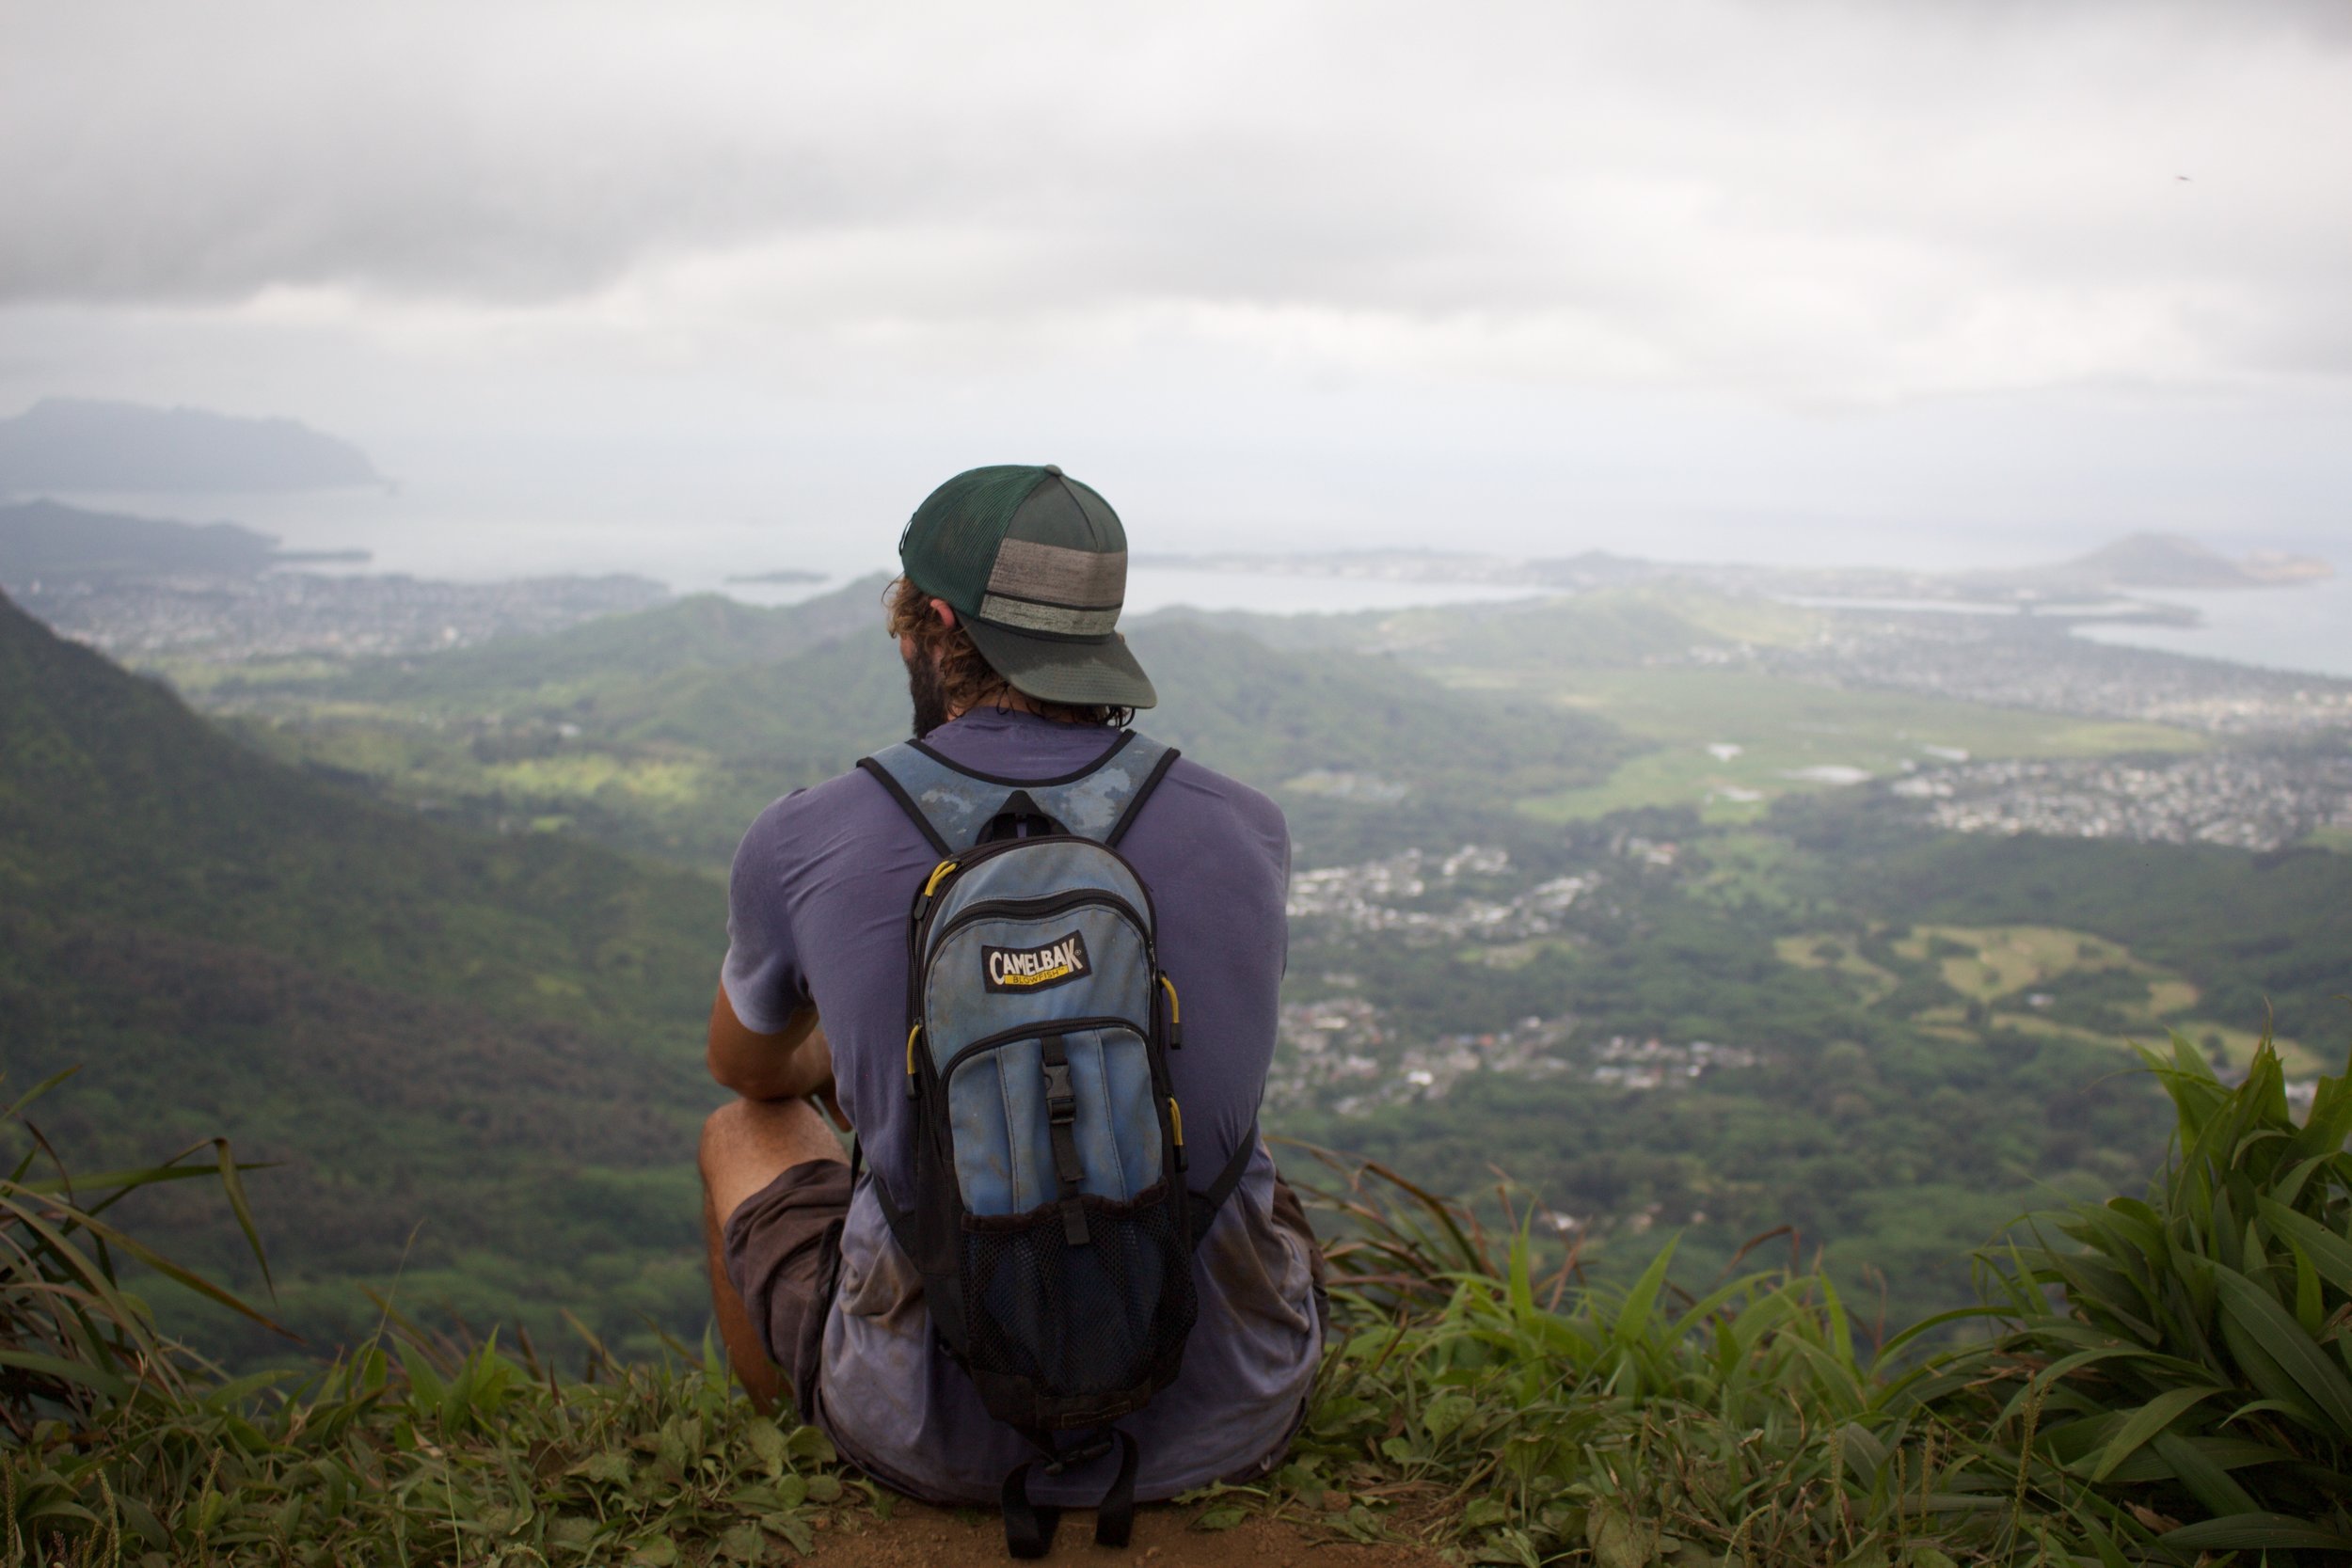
(72, 444)
(46, 539)
(782, 576)
(494, 1037)
(2171, 561)
(700, 632)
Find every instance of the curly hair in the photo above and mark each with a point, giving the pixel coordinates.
(966, 679)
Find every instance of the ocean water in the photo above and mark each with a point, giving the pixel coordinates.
(1150, 588)
(483, 537)
(478, 534)
(2307, 628)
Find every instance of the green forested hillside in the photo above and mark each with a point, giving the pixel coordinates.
(1835, 1109)
(1274, 718)
(667, 731)
(1914, 1033)
(2256, 934)
(480, 1035)
(703, 631)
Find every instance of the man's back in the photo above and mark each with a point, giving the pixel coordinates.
(820, 898)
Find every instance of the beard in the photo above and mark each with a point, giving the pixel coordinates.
(928, 693)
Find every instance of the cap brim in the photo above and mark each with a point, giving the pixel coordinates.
(1064, 669)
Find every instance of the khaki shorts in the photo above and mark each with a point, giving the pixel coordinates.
(783, 1248)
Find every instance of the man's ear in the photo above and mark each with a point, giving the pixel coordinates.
(945, 612)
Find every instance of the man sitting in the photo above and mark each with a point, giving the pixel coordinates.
(1005, 615)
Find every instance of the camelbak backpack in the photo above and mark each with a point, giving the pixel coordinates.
(1049, 1216)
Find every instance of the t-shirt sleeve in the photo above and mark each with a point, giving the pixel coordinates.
(762, 971)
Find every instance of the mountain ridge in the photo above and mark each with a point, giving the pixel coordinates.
(421, 1025)
(48, 539)
(90, 444)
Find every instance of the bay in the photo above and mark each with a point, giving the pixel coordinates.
(2306, 627)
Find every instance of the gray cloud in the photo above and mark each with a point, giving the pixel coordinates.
(1833, 200)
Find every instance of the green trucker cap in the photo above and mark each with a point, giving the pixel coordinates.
(1034, 564)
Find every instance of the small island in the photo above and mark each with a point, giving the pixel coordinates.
(786, 574)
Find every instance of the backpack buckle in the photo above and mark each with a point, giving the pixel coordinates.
(1085, 1453)
(1061, 1100)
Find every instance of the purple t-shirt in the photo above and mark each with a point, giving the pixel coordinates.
(819, 904)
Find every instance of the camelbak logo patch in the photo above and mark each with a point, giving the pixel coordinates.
(1057, 962)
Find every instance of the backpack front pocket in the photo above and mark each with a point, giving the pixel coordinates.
(1003, 1100)
(1102, 1320)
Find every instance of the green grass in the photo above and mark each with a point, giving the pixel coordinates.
(1783, 727)
(2192, 1359)
(2001, 960)
(2338, 839)
(2177, 1396)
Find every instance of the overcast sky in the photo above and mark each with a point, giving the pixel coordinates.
(1919, 281)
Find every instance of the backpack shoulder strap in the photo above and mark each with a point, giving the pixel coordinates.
(1202, 1206)
(904, 775)
(954, 806)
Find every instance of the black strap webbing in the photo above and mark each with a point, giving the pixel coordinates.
(906, 803)
(1204, 1205)
(1028, 1528)
(1114, 1515)
(1061, 1111)
(1143, 793)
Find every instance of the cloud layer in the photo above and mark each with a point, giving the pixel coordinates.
(1814, 201)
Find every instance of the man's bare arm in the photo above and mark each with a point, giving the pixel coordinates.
(791, 1064)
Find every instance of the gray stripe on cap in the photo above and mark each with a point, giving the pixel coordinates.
(1022, 615)
(1057, 574)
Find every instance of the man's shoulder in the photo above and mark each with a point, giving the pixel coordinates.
(848, 808)
(1197, 806)
(1254, 808)
(853, 791)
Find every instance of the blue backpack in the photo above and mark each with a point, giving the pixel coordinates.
(1050, 1216)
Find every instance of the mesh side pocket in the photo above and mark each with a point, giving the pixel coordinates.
(1094, 1322)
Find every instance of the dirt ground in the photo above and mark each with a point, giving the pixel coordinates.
(918, 1537)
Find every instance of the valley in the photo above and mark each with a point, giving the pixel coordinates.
(1668, 908)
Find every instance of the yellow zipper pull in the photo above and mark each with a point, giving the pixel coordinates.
(911, 1035)
(1176, 1128)
(923, 899)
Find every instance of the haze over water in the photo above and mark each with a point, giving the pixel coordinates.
(693, 543)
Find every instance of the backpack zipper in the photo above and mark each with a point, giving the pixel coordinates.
(1037, 909)
(956, 865)
(1033, 1031)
